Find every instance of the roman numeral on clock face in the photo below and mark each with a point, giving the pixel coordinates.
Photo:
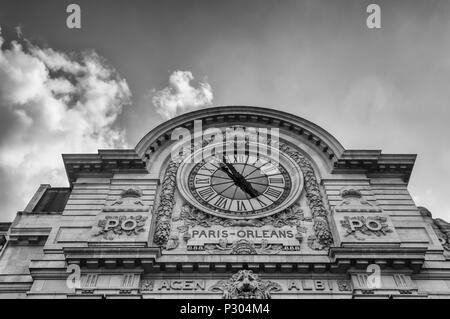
(272, 192)
(241, 158)
(199, 180)
(258, 203)
(221, 202)
(241, 205)
(206, 193)
(276, 180)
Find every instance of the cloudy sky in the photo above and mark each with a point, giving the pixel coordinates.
(135, 63)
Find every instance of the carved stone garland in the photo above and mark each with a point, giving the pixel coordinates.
(166, 202)
(167, 198)
(322, 239)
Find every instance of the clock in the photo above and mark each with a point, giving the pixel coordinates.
(240, 186)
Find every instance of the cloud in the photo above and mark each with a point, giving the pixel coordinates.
(52, 103)
(180, 96)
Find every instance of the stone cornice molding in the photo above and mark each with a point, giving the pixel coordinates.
(396, 257)
(94, 256)
(4, 227)
(105, 163)
(371, 162)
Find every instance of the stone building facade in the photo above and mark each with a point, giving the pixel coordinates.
(319, 222)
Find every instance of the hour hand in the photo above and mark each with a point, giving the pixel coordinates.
(224, 168)
(232, 168)
(248, 188)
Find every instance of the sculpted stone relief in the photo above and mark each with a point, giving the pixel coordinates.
(321, 238)
(166, 202)
(440, 227)
(112, 227)
(114, 221)
(360, 220)
(243, 247)
(353, 201)
(442, 230)
(375, 225)
(246, 285)
(129, 201)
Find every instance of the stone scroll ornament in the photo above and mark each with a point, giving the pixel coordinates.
(246, 285)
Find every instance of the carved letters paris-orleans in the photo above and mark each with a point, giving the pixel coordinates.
(192, 216)
(246, 285)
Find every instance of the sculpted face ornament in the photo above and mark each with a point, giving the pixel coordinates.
(246, 285)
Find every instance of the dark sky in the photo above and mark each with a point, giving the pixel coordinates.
(378, 89)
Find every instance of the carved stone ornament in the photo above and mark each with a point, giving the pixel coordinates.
(195, 217)
(344, 285)
(167, 199)
(323, 238)
(129, 201)
(440, 227)
(442, 230)
(172, 243)
(245, 285)
(114, 226)
(244, 247)
(353, 201)
(147, 285)
(368, 226)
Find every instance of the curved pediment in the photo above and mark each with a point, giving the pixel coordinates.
(257, 116)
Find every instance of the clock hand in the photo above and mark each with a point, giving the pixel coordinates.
(248, 188)
(240, 180)
(224, 168)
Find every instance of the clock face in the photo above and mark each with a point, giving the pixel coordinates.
(240, 186)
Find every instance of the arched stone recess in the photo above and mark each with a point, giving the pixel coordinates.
(310, 155)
